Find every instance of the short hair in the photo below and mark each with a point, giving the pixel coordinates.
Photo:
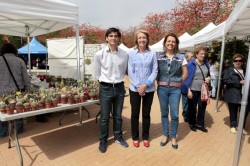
(189, 52)
(110, 30)
(176, 49)
(198, 49)
(8, 48)
(145, 32)
(238, 56)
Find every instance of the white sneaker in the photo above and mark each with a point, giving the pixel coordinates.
(233, 130)
(244, 132)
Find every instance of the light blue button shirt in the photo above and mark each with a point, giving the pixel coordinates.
(142, 68)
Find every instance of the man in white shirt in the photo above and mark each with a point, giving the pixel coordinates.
(110, 66)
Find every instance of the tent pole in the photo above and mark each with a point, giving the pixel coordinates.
(220, 72)
(78, 52)
(242, 113)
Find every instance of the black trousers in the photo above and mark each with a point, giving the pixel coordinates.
(194, 117)
(233, 112)
(135, 101)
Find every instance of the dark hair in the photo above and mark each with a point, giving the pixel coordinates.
(8, 48)
(110, 30)
(176, 49)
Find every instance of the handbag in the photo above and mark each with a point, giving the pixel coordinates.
(204, 89)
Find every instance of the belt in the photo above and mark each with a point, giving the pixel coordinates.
(171, 84)
(111, 85)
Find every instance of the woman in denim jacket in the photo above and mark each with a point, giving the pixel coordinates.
(172, 72)
(142, 71)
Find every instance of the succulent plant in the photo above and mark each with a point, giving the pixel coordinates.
(26, 105)
(2, 104)
(19, 103)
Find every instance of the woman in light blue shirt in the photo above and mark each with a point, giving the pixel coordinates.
(142, 71)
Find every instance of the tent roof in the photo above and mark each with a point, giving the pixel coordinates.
(35, 48)
(41, 17)
(123, 47)
(184, 37)
(158, 47)
(238, 23)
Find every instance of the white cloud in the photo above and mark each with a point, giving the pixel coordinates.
(119, 13)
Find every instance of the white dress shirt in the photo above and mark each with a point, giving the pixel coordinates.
(110, 67)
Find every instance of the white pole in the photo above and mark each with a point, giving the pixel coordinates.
(78, 52)
(220, 73)
(242, 113)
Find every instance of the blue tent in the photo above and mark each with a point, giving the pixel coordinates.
(35, 48)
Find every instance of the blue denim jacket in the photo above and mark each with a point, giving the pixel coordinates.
(191, 68)
(170, 71)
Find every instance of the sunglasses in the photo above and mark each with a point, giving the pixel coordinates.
(238, 61)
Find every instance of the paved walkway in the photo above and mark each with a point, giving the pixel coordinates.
(47, 144)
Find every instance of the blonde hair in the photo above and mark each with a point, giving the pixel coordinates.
(198, 49)
(238, 56)
(145, 32)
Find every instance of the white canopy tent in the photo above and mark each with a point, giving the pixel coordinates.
(123, 47)
(157, 47)
(28, 18)
(190, 42)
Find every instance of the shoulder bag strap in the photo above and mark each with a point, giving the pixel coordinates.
(241, 76)
(201, 71)
(10, 72)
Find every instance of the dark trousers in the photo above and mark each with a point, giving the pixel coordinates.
(135, 101)
(111, 98)
(4, 127)
(194, 117)
(233, 112)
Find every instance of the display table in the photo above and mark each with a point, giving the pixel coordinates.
(12, 119)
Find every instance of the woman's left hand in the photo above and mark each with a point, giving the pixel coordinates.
(142, 88)
(207, 80)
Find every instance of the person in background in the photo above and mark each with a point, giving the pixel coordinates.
(142, 71)
(172, 72)
(189, 56)
(110, 66)
(214, 73)
(197, 68)
(233, 79)
(7, 84)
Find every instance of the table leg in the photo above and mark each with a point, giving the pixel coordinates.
(10, 139)
(80, 115)
(86, 111)
(17, 143)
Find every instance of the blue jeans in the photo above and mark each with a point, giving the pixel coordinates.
(184, 106)
(214, 83)
(111, 98)
(169, 96)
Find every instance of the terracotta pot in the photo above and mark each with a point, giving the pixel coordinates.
(54, 103)
(48, 105)
(71, 101)
(77, 100)
(63, 100)
(10, 111)
(26, 109)
(82, 99)
(3, 110)
(19, 109)
(33, 108)
(41, 106)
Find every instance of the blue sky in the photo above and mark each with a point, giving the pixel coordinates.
(119, 13)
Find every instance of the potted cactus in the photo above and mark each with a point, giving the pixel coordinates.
(9, 110)
(34, 105)
(2, 107)
(54, 102)
(92, 95)
(48, 102)
(41, 104)
(12, 103)
(77, 98)
(26, 107)
(19, 107)
(82, 97)
(70, 98)
(63, 98)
